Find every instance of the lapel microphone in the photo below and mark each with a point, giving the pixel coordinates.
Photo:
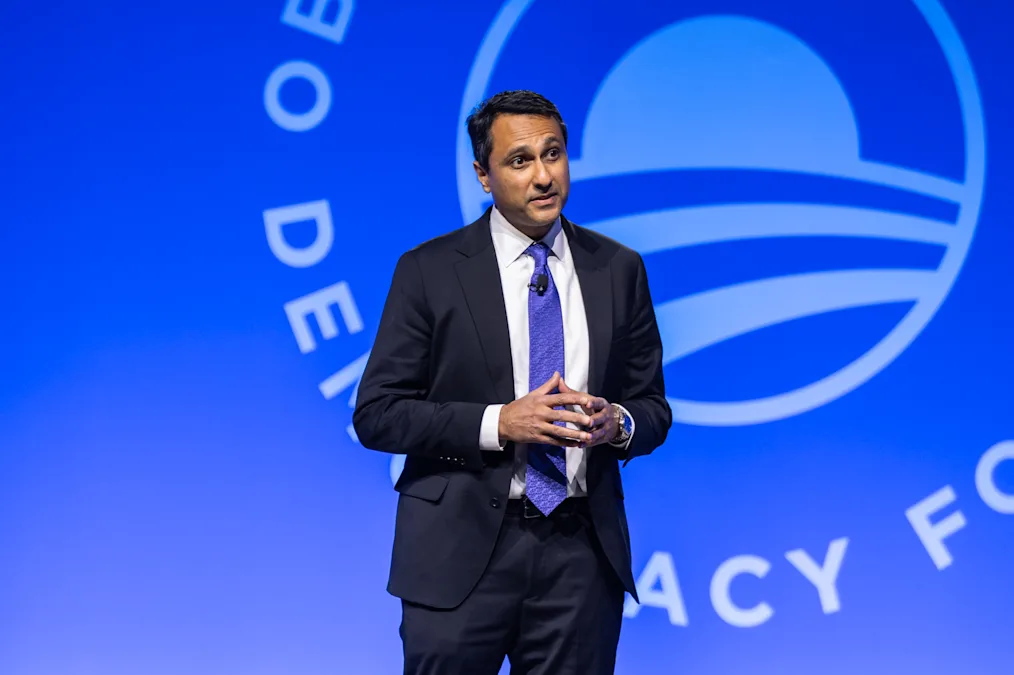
(541, 284)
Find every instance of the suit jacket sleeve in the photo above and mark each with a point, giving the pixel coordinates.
(392, 411)
(643, 389)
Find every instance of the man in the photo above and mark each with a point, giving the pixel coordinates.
(517, 363)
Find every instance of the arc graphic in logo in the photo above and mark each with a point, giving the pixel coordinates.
(651, 114)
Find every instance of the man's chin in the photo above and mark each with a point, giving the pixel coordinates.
(543, 216)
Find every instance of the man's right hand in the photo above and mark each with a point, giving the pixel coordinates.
(530, 419)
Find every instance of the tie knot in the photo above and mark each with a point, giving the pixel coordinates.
(540, 252)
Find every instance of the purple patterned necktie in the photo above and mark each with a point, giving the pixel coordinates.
(546, 481)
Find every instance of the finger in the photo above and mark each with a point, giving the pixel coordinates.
(592, 404)
(606, 432)
(549, 385)
(599, 418)
(600, 435)
(557, 442)
(567, 416)
(555, 400)
(552, 439)
(585, 404)
(566, 389)
(564, 432)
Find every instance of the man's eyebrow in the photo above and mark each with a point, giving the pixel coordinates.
(527, 149)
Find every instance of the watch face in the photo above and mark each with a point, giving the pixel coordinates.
(623, 422)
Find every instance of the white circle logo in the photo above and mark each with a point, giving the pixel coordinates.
(651, 113)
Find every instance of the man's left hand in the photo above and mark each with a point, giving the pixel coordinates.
(603, 427)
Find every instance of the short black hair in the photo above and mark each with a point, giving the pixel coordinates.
(515, 102)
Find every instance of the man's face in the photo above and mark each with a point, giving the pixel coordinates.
(529, 175)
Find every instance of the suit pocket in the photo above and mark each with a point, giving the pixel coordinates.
(431, 488)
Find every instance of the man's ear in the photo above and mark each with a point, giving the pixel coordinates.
(482, 175)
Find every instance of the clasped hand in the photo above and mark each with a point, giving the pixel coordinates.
(540, 416)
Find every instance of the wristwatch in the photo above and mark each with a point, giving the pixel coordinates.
(624, 425)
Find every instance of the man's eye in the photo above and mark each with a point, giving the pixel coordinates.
(518, 162)
(553, 153)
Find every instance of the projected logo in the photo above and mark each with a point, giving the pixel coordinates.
(768, 104)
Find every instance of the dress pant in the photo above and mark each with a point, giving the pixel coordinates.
(549, 601)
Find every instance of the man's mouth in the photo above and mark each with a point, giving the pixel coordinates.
(544, 198)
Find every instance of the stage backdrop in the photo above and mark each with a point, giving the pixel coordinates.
(203, 203)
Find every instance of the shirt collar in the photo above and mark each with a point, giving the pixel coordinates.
(511, 243)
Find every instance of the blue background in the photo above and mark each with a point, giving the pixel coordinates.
(176, 495)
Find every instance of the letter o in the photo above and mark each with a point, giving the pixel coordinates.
(302, 121)
(984, 479)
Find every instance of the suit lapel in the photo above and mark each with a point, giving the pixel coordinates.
(479, 276)
(597, 293)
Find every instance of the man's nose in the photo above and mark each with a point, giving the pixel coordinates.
(543, 178)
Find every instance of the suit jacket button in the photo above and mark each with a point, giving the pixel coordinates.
(494, 502)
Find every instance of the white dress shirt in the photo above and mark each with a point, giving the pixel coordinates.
(516, 269)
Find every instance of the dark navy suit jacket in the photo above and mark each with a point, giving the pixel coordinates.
(442, 354)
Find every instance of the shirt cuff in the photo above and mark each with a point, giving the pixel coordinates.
(633, 429)
(489, 429)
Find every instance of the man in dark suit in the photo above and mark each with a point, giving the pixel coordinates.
(517, 363)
